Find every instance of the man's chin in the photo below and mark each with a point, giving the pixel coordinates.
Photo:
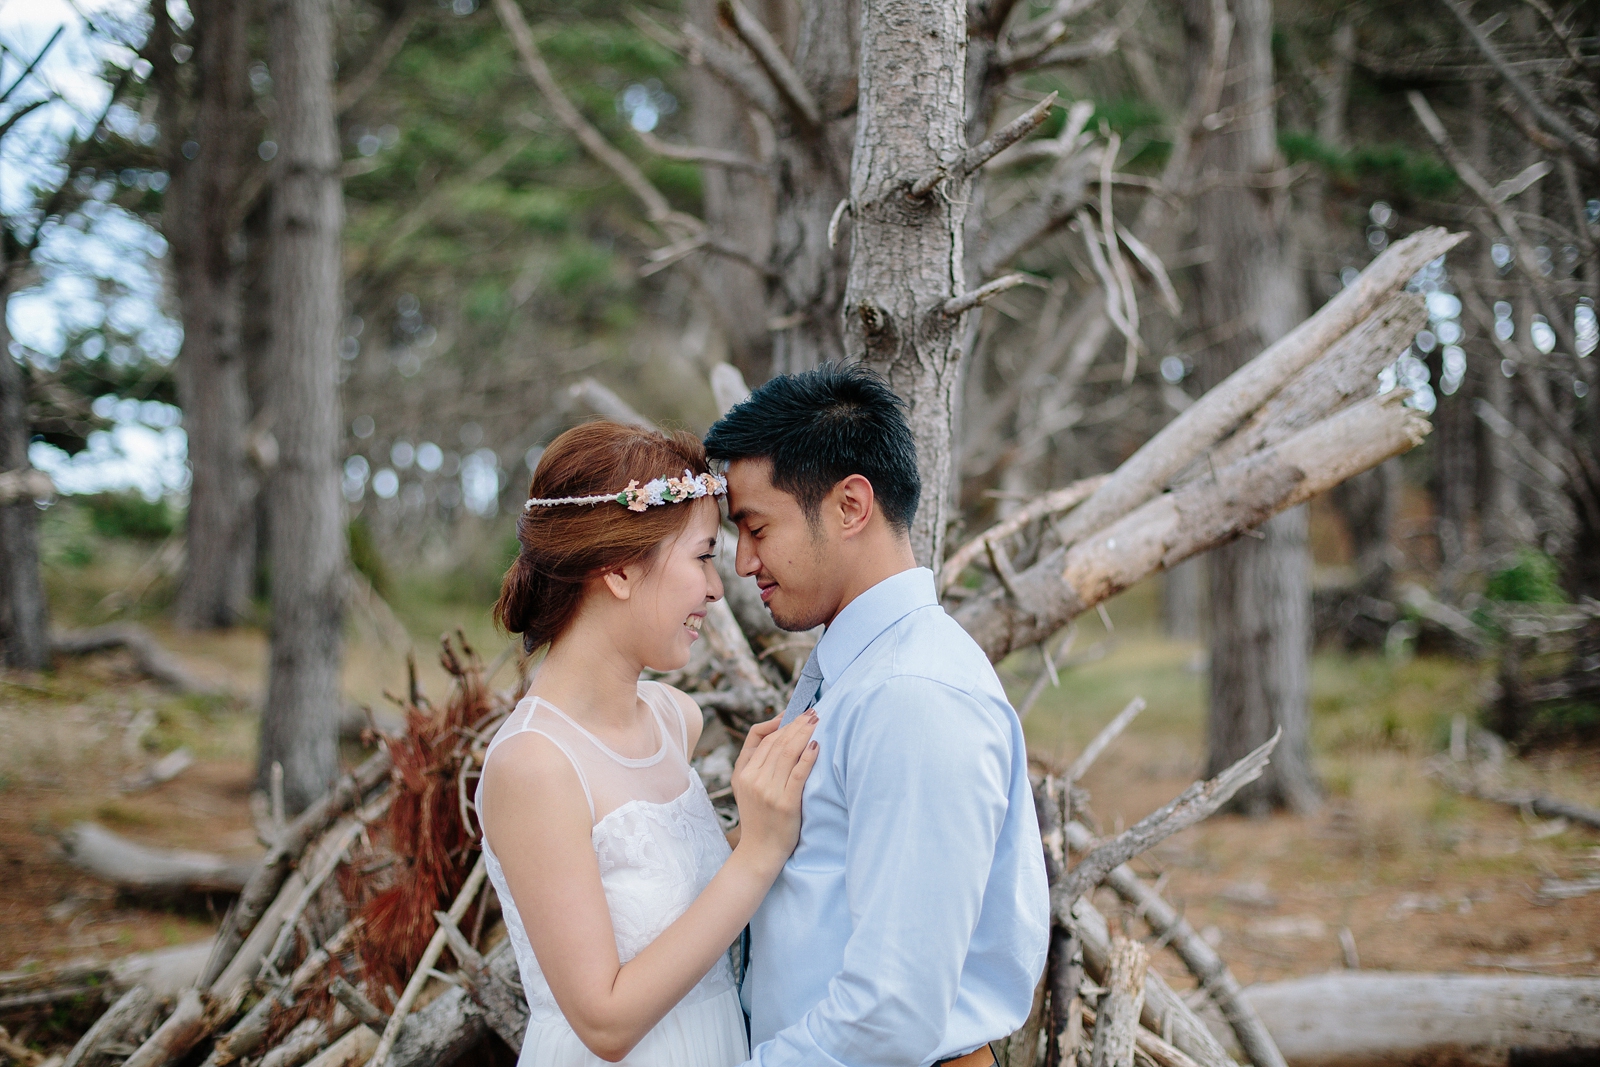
(791, 622)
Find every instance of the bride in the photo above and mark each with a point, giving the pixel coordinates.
(621, 896)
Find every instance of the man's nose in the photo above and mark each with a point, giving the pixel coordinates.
(745, 561)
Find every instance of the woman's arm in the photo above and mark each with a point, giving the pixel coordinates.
(536, 814)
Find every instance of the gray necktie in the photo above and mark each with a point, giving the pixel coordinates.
(806, 688)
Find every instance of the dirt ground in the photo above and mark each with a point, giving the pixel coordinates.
(1424, 880)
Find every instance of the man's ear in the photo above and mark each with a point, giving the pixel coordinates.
(856, 504)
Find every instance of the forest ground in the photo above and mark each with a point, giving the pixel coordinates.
(1424, 879)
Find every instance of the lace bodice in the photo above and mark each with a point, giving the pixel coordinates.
(655, 835)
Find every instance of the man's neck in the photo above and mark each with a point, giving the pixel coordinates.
(876, 564)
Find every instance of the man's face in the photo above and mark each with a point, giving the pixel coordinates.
(785, 551)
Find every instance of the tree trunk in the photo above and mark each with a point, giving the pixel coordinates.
(737, 204)
(812, 173)
(906, 253)
(1249, 295)
(220, 546)
(24, 615)
(299, 724)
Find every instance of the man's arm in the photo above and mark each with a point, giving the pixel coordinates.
(926, 774)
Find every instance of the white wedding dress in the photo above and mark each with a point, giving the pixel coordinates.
(658, 842)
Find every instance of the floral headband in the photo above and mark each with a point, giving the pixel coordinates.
(638, 497)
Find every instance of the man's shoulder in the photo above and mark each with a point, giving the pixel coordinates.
(928, 649)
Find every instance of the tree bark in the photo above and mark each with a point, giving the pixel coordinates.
(300, 721)
(906, 257)
(219, 559)
(24, 614)
(1249, 295)
(739, 205)
(812, 173)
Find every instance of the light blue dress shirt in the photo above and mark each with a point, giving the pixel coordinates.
(911, 923)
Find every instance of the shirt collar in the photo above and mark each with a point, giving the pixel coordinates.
(869, 615)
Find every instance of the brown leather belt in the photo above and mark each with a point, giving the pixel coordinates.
(978, 1057)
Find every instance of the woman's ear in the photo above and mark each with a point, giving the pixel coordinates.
(620, 583)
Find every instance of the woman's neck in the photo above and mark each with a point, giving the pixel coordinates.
(590, 679)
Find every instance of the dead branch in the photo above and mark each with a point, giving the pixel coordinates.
(505, 1008)
(249, 1032)
(1165, 1012)
(1149, 1045)
(1118, 1015)
(1221, 409)
(1201, 959)
(657, 210)
(141, 868)
(366, 1013)
(1177, 525)
(960, 305)
(715, 157)
(126, 1015)
(1581, 146)
(275, 867)
(784, 77)
(430, 956)
(1102, 740)
(1540, 804)
(1051, 503)
(160, 772)
(1345, 374)
(993, 145)
(1200, 801)
(734, 70)
(147, 652)
(186, 1027)
(603, 401)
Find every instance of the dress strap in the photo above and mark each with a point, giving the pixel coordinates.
(526, 728)
(665, 696)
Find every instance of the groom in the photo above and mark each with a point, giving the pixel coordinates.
(909, 927)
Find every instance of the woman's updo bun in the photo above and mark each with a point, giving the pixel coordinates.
(566, 545)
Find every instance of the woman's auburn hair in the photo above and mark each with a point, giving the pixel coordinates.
(563, 547)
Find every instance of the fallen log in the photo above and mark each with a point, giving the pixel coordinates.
(142, 868)
(1540, 804)
(1051, 503)
(1361, 1018)
(147, 653)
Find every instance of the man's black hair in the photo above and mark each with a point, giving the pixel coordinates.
(818, 428)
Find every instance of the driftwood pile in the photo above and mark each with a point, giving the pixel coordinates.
(367, 933)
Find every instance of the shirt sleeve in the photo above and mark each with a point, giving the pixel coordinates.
(925, 771)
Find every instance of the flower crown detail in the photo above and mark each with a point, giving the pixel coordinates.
(638, 497)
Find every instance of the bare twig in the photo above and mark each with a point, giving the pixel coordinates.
(1198, 802)
(657, 210)
(1051, 503)
(1201, 959)
(715, 157)
(1110, 733)
(735, 70)
(430, 956)
(774, 62)
(993, 145)
(960, 305)
(1579, 145)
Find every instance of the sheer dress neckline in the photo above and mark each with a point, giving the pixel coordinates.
(626, 761)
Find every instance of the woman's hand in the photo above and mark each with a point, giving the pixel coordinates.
(768, 780)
